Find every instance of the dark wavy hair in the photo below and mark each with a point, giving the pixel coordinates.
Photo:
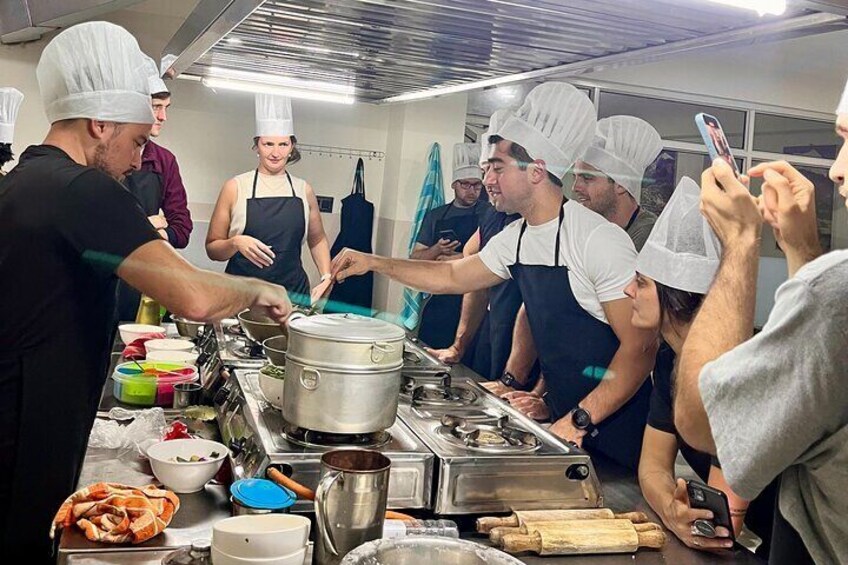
(520, 154)
(294, 156)
(6, 154)
(679, 305)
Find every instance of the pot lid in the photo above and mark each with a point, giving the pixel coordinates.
(262, 494)
(347, 327)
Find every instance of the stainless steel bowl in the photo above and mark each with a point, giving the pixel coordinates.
(188, 328)
(258, 327)
(275, 349)
(417, 550)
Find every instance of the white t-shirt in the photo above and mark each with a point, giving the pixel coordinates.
(600, 256)
(266, 186)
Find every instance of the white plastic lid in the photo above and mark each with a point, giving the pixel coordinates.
(347, 327)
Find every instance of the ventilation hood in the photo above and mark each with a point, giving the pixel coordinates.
(28, 20)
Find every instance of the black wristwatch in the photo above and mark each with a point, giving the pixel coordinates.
(582, 420)
(509, 380)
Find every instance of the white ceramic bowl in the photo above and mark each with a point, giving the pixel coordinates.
(170, 344)
(261, 536)
(187, 357)
(272, 389)
(131, 332)
(185, 477)
(221, 558)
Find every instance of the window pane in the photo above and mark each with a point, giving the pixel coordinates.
(674, 120)
(662, 176)
(826, 192)
(794, 136)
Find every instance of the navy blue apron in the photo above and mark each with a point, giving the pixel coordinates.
(440, 316)
(575, 350)
(355, 295)
(277, 222)
(146, 186)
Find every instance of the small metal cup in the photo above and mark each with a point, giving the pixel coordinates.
(187, 394)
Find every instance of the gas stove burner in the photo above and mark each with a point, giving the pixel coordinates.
(440, 395)
(311, 438)
(236, 330)
(495, 436)
(410, 382)
(247, 350)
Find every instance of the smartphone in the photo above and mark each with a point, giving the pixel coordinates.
(715, 140)
(449, 235)
(708, 498)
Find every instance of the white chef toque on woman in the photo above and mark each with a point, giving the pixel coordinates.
(623, 148)
(273, 115)
(682, 251)
(95, 70)
(556, 123)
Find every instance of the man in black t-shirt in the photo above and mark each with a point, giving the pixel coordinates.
(67, 228)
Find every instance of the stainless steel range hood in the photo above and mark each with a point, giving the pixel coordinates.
(28, 20)
(387, 48)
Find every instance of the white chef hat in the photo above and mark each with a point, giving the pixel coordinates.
(556, 123)
(154, 80)
(273, 115)
(843, 102)
(496, 121)
(466, 162)
(682, 251)
(623, 148)
(10, 103)
(94, 70)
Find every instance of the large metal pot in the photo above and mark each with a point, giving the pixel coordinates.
(345, 341)
(340, 401)
(343, 374)
(416, 550)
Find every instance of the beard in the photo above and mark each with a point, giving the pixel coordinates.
(102, 158)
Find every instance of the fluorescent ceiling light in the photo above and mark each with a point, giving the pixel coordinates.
(265, 88)
(443, 90)
(284, 81)
(776, 7)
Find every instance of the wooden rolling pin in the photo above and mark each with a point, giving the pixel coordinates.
(521, 517)
(569, 540)
(307, 493)
(496, 534)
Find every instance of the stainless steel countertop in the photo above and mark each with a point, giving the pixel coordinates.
(199, 511)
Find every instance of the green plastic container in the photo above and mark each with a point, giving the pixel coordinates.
(150, 383)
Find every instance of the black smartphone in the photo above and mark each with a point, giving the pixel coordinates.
(705, 497)
(715, 140)
(449, 235)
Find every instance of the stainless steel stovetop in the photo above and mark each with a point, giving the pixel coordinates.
(492, 458)
(258, 436)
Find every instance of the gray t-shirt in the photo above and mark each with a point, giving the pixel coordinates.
(640, 228)
(778, 404)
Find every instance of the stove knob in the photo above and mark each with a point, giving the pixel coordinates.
(236, 446)
(577, 472)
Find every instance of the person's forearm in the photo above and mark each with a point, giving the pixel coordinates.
(221, 249)
(425, 254)
(797, 258)
(658, 490)
(320, 252)
(625, 375)
(725, 319)
(523, 354)
(470, 318)
(433, 277)
(175, 209)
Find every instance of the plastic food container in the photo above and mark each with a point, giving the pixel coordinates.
(150, 383)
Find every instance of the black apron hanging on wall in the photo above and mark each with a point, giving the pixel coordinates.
(354, 295)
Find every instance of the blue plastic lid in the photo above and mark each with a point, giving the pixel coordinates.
(262, 494)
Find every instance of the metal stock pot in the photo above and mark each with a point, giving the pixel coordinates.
(342, 373)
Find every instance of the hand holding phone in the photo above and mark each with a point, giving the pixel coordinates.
(449, 235)
(705, 497)
(715, 140)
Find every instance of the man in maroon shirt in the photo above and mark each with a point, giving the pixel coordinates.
(158, 185)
